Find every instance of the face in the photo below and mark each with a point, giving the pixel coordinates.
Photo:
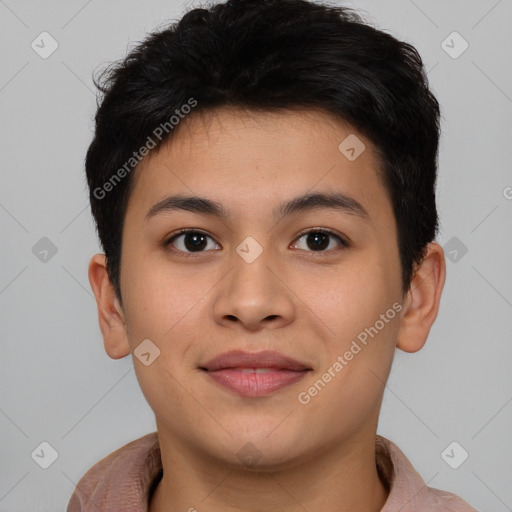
(318, 282)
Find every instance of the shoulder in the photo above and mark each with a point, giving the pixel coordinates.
(407, 489)
(121, 478)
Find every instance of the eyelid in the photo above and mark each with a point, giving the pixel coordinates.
(188, 230)
(343, 239)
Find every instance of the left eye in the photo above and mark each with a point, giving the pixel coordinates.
(318, 239)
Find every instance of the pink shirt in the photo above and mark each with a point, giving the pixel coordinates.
(124, 480)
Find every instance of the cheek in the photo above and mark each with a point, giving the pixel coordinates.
(171, 311)
(349, 298)
(162, 309)
(157, 298)
(348, 387)
(359, 325)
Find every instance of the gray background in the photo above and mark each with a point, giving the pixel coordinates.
(58, 384)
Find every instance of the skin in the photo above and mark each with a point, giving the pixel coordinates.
(306, 304)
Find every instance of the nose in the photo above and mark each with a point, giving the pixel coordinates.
(254, 295)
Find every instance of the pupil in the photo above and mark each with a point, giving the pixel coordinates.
(318, 237)
(197, 241)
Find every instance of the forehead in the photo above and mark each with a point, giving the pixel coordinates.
(242, 157)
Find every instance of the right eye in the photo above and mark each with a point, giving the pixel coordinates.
(189, 241)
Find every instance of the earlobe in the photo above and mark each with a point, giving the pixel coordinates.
(423, 299)
(110, 314)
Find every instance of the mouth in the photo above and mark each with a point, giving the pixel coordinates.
(254, 374)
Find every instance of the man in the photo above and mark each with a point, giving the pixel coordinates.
(263, 180)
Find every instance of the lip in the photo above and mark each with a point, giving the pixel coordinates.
(264, 359)
(233, 371)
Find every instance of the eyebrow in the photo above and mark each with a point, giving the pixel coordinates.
(303, 203)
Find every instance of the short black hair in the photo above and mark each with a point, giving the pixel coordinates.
(270, 55)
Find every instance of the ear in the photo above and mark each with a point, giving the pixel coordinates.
(110, 313)
(423, 299)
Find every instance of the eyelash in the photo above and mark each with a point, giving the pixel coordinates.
(344, 242)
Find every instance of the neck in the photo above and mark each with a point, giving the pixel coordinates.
(342, 478)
